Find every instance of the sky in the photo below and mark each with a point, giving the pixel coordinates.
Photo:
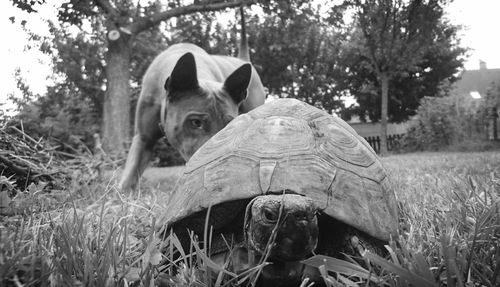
(479, 17)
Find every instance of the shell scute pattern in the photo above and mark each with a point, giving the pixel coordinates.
(276, 137)
(289, 145)
(368, 205)
(298, 110)
(302, 174)
(220, 175)
(337, 142)
(221, 144)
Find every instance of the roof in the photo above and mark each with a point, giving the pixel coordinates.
(477, 80)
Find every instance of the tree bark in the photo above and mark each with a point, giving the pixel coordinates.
(116, 110)
(384, 83)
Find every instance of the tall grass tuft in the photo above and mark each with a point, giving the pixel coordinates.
(450, 217)
(96, 236)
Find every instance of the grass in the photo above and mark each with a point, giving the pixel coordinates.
(451, 213)
(91, 235)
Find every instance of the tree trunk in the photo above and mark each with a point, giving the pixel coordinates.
(116, 110)
(384, 83)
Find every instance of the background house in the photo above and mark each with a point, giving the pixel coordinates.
(476, 81)
(477, 96)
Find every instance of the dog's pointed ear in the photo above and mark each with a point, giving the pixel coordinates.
(184, 76)
(237, 83)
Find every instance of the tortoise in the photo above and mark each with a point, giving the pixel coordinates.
(289, 174)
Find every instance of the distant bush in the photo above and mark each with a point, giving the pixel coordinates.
(471, 145)
(69, 125)
(434, 127)
(444, 123)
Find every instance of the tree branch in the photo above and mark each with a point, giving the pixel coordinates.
(386, 9)
(148, 22)
(28, 173)
(370, 42)
(396, 30)
(106, 6)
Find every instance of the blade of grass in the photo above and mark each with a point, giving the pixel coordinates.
(448, 258)
(404, 274)
(422, 267)
(340, 266)
(175, 241)
(205, 241)
(496, 273)
(208, 262)
(394, 257)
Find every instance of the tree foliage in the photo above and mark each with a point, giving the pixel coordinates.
(390, 39)
(492, 98)
(431, 77)
(72, 106)
(295, 52)
(28, 5)
(203, 30)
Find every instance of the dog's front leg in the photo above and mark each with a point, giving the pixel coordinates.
(138, 158)
(147, 133)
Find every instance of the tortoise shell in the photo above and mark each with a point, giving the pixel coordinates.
(288, 145)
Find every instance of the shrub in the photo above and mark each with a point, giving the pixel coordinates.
(444, 122)
(433, 127)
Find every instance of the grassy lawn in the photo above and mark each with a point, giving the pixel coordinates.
(89, 234)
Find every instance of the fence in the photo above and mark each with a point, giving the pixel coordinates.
(371, 133)
(393, 142)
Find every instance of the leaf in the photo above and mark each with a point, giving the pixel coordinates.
(209, 262)
(133, 274)
(155, 257)
(36, 188)
(340, 266)
(422, 267)
(152, 255)
(7, 182)
(4, 201)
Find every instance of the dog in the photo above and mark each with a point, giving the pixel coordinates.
(188, 96)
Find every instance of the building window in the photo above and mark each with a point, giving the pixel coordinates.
(475, 95)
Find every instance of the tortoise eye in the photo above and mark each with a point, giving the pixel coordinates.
(270, 215)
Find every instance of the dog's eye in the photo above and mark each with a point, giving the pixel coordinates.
(196, 123)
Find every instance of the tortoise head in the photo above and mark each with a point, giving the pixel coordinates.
(284, 225)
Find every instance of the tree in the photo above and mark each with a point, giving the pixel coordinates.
(432, 77)
(392, 38)
(295, 52)
(123, 23)
(71, 109)
(489, 109)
